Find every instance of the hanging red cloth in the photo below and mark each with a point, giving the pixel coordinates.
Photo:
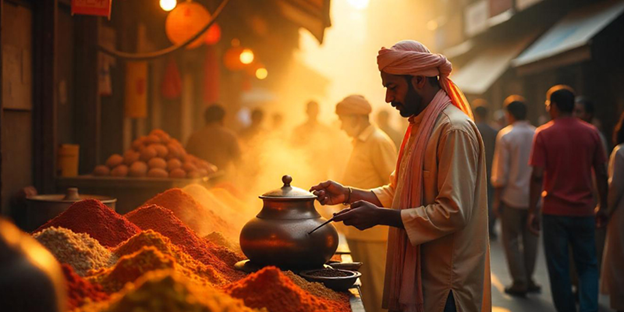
(212, 76)
(171, 86)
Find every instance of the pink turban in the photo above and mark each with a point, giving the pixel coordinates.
(409, 57)
(353, 105)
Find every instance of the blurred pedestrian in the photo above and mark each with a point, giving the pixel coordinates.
(489, 140)
(564, 152)
(214, 142)
(383, 121)
(256, 128)
(370, 164)
(307, 137)
(510, 177)
(612, 266)
(584, 110)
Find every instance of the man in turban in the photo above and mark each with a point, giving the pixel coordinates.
(438, 245)
(370, 164)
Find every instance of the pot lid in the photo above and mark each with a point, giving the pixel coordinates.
(287, 191)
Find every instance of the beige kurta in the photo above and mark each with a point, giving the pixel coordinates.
(612, 270)
(452, 227)
(371, 162)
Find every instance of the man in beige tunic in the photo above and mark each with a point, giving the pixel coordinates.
(438, 247)
(370, 164)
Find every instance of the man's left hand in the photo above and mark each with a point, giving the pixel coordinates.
(362, 215)
(602, 217)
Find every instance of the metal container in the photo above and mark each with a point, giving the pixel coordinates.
(279, 233)
(42, 208)
(30, 277)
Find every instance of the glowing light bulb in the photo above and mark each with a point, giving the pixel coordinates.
(359, 4)
(247, 56)
(168, 5)
(261, 73)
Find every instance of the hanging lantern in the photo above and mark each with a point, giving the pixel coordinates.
(262, 73)
(213, 35)
(231, 59)
(247, 56)
(186, 20)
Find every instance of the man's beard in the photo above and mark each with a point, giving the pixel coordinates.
(411, 103)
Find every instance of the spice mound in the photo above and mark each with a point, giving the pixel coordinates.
(269, 288)
(218, 239)
(168, 291)
(79, 250)
(317, 289)
(329, 273)
(163, 221)
(94, 218)
(208, 200)
(131, 267)
(192, 213)
(80, 291)
(164, 245)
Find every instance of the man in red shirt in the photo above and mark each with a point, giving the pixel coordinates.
(564, 152)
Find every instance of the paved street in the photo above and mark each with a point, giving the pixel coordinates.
(533, 303)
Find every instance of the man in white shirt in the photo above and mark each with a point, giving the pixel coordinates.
(511, 176)
(370, 164)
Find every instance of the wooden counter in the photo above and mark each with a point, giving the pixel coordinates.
(130, 192)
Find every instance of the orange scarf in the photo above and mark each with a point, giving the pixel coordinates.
(403, 281)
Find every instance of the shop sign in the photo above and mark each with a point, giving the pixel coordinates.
(91, 7)
(476, 16)
(136, 90)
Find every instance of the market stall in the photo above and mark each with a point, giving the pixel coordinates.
(180, 251)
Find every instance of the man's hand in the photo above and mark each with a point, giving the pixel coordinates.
(602, 217)
(533, 223)
(496, 205)
(330, 193)
(362, 215)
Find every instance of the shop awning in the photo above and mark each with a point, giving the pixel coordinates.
(312, 15)
(478, 75)
(568, 41)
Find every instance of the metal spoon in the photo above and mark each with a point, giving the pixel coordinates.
(320, 226)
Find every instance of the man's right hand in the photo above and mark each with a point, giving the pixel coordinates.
(533, 222)
(330, 193)
(496, 208)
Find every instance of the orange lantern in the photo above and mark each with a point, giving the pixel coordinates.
(213, 35)
(186, 20)
(231, 59)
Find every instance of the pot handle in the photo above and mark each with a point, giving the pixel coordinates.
(72, 194)
(286, 179)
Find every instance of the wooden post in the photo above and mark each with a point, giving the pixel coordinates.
(2, 212)
(44, 104)
(88, 110)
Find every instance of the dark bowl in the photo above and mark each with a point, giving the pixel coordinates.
(339, 283)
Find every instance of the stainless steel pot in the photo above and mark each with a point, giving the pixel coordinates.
(42, 208)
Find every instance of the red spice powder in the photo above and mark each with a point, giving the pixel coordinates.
(79, 290)
(201, 220)
(163, 221)
(269, 288)
(96, 219)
